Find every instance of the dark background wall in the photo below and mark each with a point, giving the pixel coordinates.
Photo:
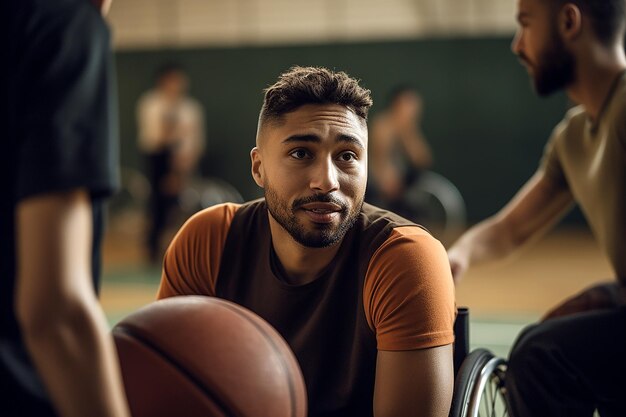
(486, 127)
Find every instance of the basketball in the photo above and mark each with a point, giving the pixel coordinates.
(202, 356)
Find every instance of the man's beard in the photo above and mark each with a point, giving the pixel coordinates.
(554, 70)
(323, 235)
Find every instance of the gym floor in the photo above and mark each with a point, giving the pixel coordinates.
(502, 298)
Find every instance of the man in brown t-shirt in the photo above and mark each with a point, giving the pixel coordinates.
(364, 297)
(575, 360)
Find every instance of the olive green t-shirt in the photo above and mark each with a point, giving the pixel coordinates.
(589, 159)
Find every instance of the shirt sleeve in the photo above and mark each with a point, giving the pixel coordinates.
(192, 261)
(68, 126)
(409, 292)
(550, 163)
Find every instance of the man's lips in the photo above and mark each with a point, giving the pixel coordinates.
(319, 207)
(323, 213)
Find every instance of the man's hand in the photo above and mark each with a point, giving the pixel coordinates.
(533, 210)
(459, 263)
(598, 297)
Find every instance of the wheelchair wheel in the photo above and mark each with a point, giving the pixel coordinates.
(438, 204)
(479, 387)
(201, 193)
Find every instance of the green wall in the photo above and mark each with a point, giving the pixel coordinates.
(485, 125)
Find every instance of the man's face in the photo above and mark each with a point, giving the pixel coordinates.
(539, 46)
(174, 84)
(312, 166)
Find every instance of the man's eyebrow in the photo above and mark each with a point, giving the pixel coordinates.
(302, 138)
(317, 139)
(351, 139)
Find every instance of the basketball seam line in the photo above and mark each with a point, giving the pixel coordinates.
(292, 393)
(193, 379)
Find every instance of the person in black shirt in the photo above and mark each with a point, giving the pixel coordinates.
(59, 161)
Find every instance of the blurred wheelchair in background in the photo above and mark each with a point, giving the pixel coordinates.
(429, 199)
(128, 209)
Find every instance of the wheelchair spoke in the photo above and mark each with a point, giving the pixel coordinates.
(494, 397)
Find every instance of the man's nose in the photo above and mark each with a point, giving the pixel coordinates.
(516, 43)
(324, 177)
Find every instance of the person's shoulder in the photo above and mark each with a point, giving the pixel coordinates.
(48, 21)
(79, 13)
(414, 233)
(574, 113)
(574, 116)
(374, 217)
(59, 8)
(208, 226)
(213, 217)
(411, 259)
(393, 237)
(412, 240)
(409, 292)
(573, 121)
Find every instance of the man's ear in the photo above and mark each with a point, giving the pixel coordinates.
(257, 167)
(570, 21)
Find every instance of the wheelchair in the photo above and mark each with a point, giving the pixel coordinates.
(479, 389)
(127, 209)
(429, 199)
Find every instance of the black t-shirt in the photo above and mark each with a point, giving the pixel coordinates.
(59, 132)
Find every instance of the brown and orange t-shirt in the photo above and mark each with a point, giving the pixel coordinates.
(388, 288)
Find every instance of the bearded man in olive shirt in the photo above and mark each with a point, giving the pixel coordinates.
(574, 361)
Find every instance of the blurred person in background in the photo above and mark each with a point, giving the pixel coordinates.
(59, 162)
(399, 150)
(171, 135)
(573, 362)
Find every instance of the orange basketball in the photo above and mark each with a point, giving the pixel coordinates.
(202, 356)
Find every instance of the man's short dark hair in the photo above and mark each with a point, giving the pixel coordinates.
(608, 17)
(311, 85)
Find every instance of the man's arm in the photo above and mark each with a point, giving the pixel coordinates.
(63, 326)
(535, 208)
(414, 383)
(409, 296)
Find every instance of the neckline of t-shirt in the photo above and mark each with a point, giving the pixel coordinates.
(279, 274)
(608, 100)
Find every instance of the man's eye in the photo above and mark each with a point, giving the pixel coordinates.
(299, 154)
(348, 157)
